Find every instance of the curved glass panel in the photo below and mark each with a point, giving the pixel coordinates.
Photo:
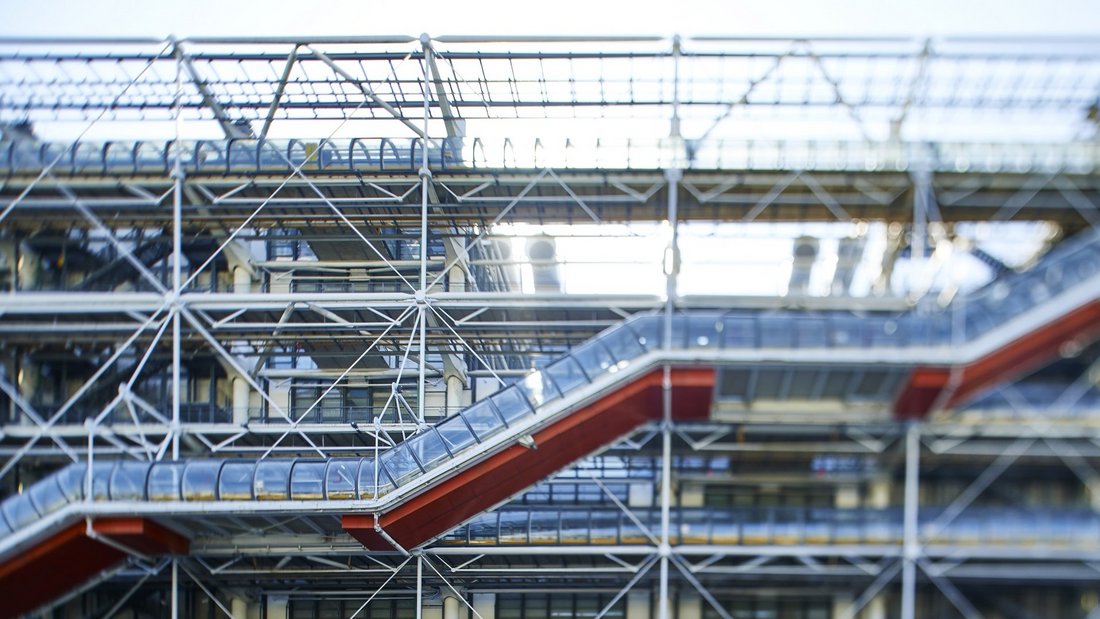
(368, 489)
(704, 331)
(5, 528)
(566, 374)
(165, 480)
(101, 476)
(46, 494)
(428, 448)
(71, 481)
(200, 480)
(511, 404)
(272, 481)
(456, 434)
(593, 358)
(235, 481)
(624, 345)
(400, 464)
(307, 480)
(340, 478)
(538, 389)
(483, 420)
(19, 511)
(128, 481)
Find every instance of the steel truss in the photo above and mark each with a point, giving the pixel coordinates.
(407, 290)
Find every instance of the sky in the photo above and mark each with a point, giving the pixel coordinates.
(686, 17)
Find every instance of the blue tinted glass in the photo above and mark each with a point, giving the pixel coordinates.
(428, 448)
(566, 374)
(128, 481)
(400, 464)
(367, 472)
(483, 419)
(593, 358)
(46, 494)
(165, 480)
(200, 480)
(307, 480)
(235, 482)
(340, 478)
(538, 389)
(625, 345)
(456, 434)
(511, 404)
(71, 480)
(272, 481)
(19, 511)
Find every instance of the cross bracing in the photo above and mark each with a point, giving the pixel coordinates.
(266, 249)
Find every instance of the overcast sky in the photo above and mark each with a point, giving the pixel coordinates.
(362, 17)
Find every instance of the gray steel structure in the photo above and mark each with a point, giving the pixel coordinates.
(287, 248)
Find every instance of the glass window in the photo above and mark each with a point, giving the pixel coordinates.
(272, 480)
(400, 464)
(593, 358)
(428, 448)
(46, 494)
(483, 419)
(128, 481)
(538, 389)
(307, 480)
(704, 331)
(456, 434)
(511, 404)
(566, 374)
(367, 487)
(165, 479)
(235, 481)
(200, 480)
(5, 528)
(340, 478)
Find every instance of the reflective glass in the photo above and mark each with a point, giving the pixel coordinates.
(400, 464)
(46, 494)
(511, 404)
(635, 336)
(71, 480)
(165, 480)
(428, 448)
(538, 389)
(483, 419)
(704, 331)
(367, 487)
(456, 434)
(566, 374)
(101, 476)
(272, 481)
(625, 345)
(128, 481)
(593, 358)
(307, 480)
(235, 481)
(19, 511)
(340, 478)
(200, 480)
(5, 529)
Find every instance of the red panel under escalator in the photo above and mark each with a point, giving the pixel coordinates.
(508, 472)
(1011, 361)
(71, 557)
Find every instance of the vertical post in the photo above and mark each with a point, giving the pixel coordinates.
(177, 256)
(912, 500)
(672, 268)
(920, 178)
(419, 586)
(175, 589)
(425, 180)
